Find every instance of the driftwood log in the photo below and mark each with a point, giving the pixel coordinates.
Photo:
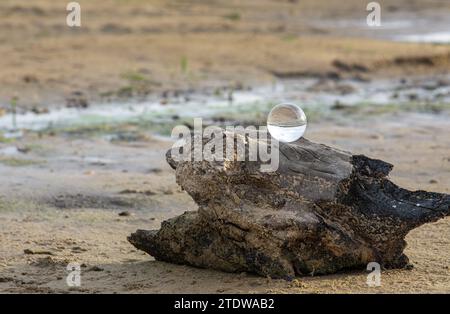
(323, 210)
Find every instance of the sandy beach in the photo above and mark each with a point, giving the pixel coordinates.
(78, 181)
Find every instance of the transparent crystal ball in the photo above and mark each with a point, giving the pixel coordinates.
(286, 122)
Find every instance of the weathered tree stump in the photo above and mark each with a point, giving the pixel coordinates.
(323, 210)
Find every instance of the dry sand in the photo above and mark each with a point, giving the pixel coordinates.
(131, 48)
(65, 204)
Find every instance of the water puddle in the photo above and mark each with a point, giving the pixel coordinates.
(309, 93)
(435, 38)
(406, 27)
(9, 151)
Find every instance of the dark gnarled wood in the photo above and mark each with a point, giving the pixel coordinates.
(322, 211)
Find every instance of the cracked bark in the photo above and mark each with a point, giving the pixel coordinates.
(322, 211)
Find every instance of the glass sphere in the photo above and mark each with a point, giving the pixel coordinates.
(286, 122)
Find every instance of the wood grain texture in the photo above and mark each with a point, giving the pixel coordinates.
(323, 211)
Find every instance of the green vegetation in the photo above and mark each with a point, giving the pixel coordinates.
(138, 85)
(184, 64)
(81, 130)
(14, 112)
(16, 162)
(233, 16)
(5, 140)
(289, 37)
(134, 76)
(125, 91)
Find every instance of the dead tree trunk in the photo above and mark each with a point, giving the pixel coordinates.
(322, 211)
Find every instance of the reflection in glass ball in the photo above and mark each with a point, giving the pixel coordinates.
(286, 122)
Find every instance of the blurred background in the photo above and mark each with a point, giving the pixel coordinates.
(135, 50)
(86, 115)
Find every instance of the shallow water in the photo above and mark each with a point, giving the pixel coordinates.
(431, 27)
(308, 93)
(437, 38)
